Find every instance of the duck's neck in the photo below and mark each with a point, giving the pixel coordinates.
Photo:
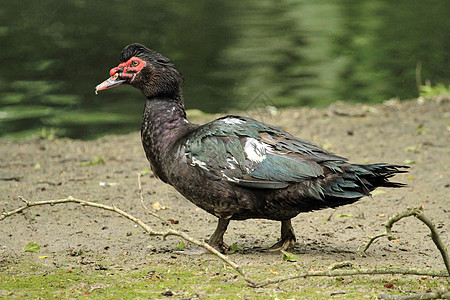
(164, 123)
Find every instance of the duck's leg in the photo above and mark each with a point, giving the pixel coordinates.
(216, 239)
(287, 237)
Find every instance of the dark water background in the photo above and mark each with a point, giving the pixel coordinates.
(54, 52)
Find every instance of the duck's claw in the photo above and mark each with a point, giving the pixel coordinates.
(221, 247)
(284, 244)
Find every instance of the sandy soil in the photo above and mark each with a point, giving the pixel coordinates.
(417, 131)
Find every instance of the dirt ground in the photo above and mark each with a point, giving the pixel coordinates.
(415, 132)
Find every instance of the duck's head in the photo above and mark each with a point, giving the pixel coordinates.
(152, 73)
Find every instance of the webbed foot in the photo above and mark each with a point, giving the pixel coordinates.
(287, 237)
(283, 244)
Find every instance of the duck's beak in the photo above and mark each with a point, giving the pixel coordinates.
(109, 83)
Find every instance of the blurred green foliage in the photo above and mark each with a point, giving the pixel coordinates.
(428, 91)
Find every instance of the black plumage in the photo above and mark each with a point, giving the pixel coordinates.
(235, 167)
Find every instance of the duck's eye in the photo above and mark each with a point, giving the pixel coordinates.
(134, 63)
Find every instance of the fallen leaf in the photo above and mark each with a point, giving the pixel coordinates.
(370, 109)
(181, 245)
(157, 206)
(389, 285)
(102, 183)
(145, 171)
(415, 149)
(32, 247)
(287, 256)
(95, 161)
(377, 192)
(327, 146)
(420, 129)
(234, 248)
(346, 216)
(272, 271)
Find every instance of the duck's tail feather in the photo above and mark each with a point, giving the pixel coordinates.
(357, 181)
(377, 175)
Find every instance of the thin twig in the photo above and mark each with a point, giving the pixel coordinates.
(418, 213)
(145, 206)
(71, 199)
(335, 273)
(436, 238)
(390, 222)
(372, 239)
(440, 294)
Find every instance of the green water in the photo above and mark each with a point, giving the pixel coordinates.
(54, 53)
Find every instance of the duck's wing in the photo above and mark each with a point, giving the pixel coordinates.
(253, 154)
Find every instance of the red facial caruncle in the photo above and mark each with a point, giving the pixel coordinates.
(123, 73)
(128, 69)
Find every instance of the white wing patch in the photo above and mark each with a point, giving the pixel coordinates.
(201, 164)
(256, 151)
(232, 121)
(229, 178)
(232, 162)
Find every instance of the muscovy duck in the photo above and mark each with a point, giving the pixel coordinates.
(237, 168)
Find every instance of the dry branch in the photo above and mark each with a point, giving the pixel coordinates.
(336, 273)
(143, 202)
(390, 222)
(418, 213)
(436, 238)
(440, 294)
